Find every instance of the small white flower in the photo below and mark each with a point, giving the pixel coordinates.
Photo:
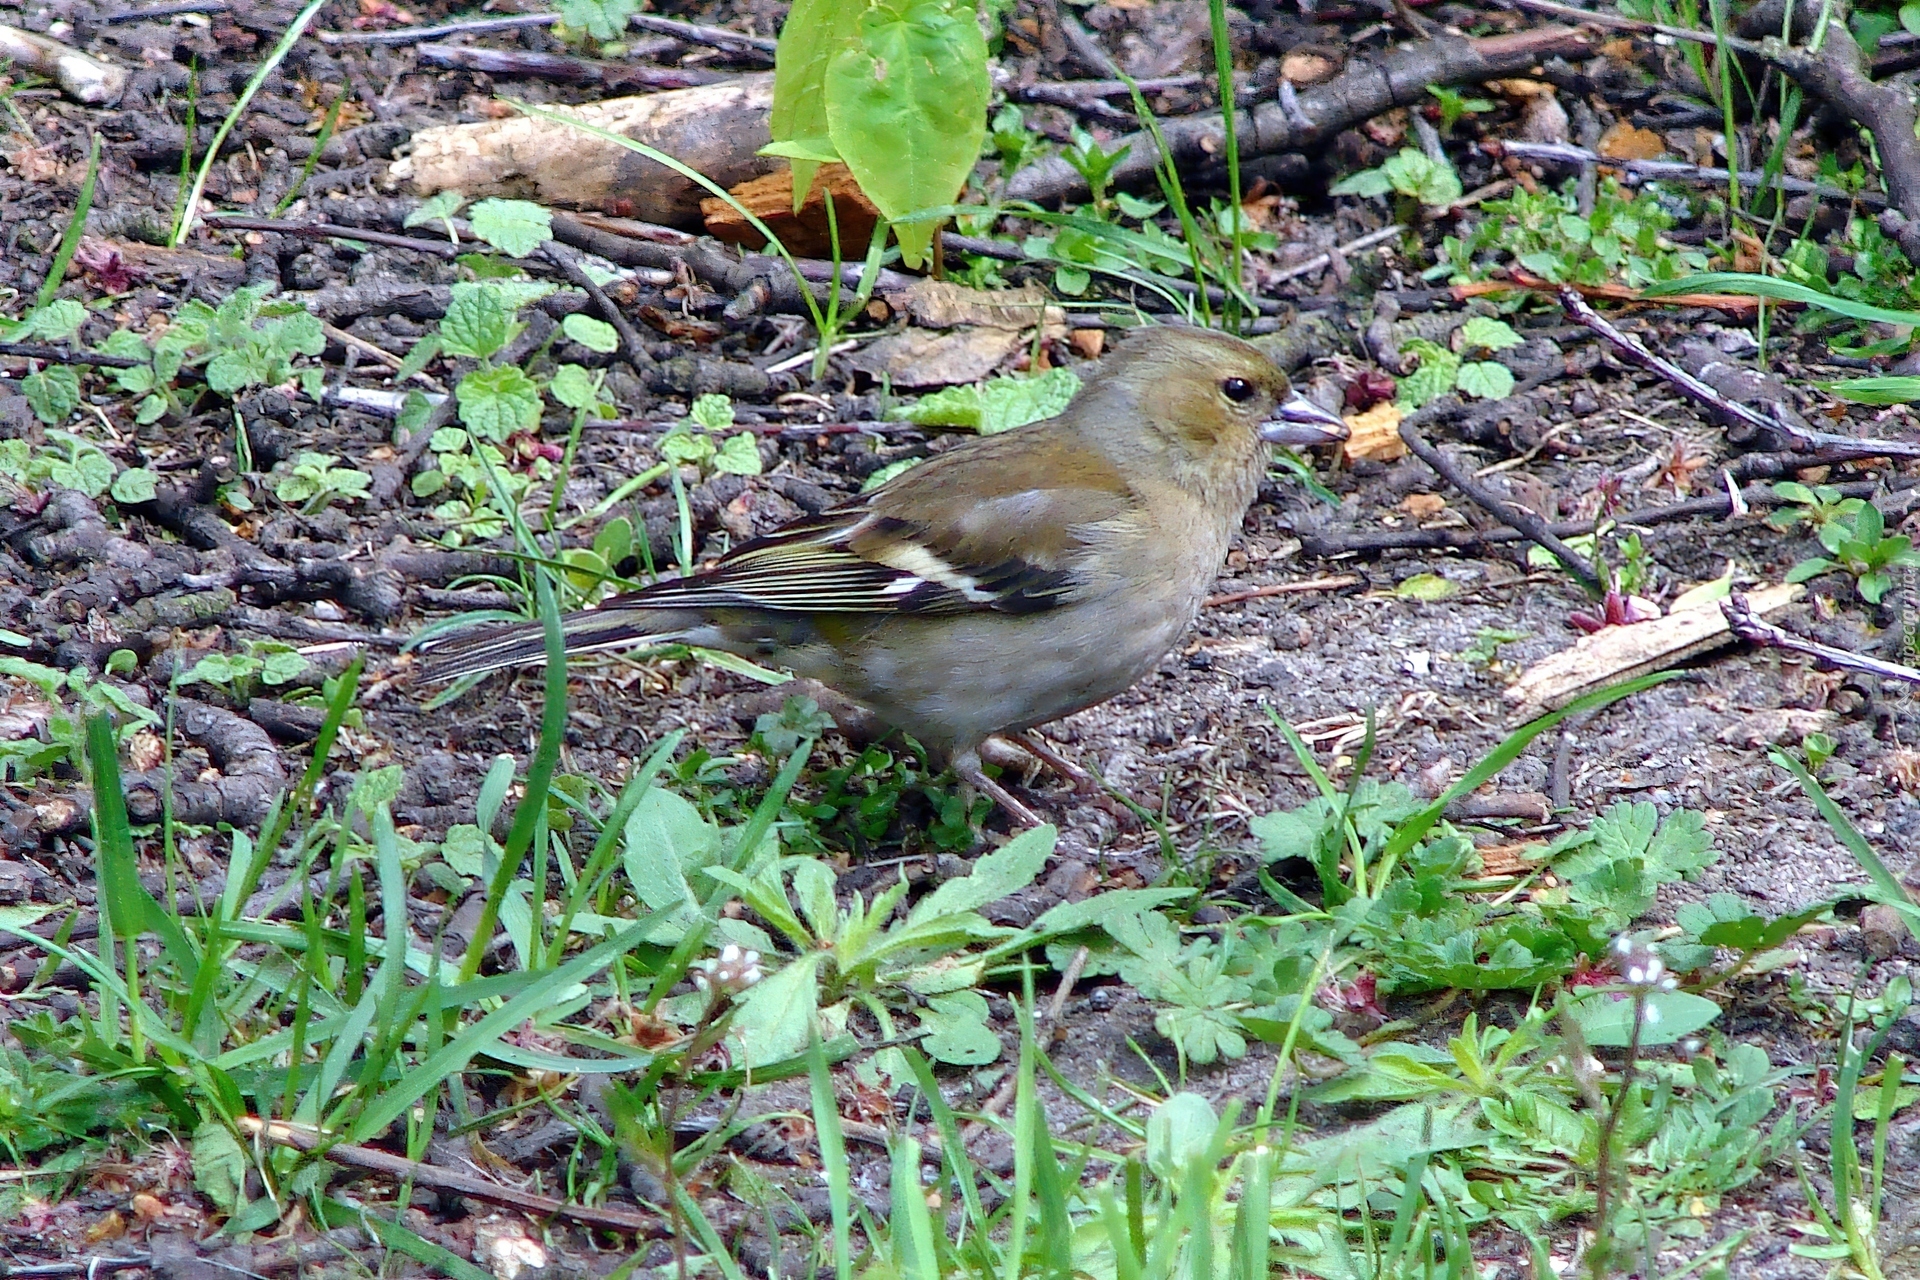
(734, 970)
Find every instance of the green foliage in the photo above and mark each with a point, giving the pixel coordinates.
(66, 461)
(246, 341)
(1859, 543)
(68, 698)
(439, 207)
(1816, 506)
(1095, 164)
(895, 89)
(1878, 275)
(515, 227)
(241, 675)
(314, 481)
(1485, 649)
(861, 954)
(53, 393)
(1453, 105)
(1012, 141)
(696, 440)
(1443, 371)
(601, 19)
(1410, 174)
(486, 467)
(1544, 232)
(43, 1106)
(996, 405)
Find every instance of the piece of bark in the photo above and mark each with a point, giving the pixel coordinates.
(806, 234)
(715, 129)
(1375, 434)
(1620, 653)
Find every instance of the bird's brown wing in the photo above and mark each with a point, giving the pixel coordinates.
(991, 526)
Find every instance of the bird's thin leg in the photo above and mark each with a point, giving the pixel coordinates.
(967, 765)
(1083, 781)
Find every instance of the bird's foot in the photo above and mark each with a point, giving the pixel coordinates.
(1082, 780)
(967, 766)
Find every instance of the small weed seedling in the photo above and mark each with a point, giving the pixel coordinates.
(1465, 370)
(1859, 543)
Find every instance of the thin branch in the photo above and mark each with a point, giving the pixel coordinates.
(1750, 627)
(1502, 509)
(1764, 426)
(1657, 170)
(306, 1138)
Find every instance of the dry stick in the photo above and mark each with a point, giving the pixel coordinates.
(1073, 92)
(148, 13)
(1365, 89)
(1634, 351)
(787, 431)
(1618, 23)
(616, 76)
(1502, 509)
(59, 355)
(1719, 504)
(330, 231)
(91, 1268)
(1567, 153)
(1356, 245)
(410, 35)
(632, 348)
(306, 1138)
(695, 33)
(1282, 589)
(1750, 627)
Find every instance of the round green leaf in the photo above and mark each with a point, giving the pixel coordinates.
(134, 485)
(495, 402)
(1485, 379)
(515, 227)
(594, 335)
(573, 386)
(907, 110)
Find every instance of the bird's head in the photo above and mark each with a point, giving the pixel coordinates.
(1209, 398)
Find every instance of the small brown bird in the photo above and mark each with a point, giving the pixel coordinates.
(1009, 581)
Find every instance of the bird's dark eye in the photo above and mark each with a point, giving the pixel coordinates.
(1238, 390)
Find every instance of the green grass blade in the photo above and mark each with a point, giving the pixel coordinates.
(76, 228)
(1744, 284)
(462, 1048)
(1887, 886)
(191, 209)
(833, 1155)
(533, 802)
(131, 908)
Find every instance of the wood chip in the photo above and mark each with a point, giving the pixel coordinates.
(1374, 434)
(1626, 141)
(806, 233)
(1621, 653)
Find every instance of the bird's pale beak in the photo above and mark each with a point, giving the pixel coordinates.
(1301, 423)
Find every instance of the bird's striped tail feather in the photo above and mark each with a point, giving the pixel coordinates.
(523, 644)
